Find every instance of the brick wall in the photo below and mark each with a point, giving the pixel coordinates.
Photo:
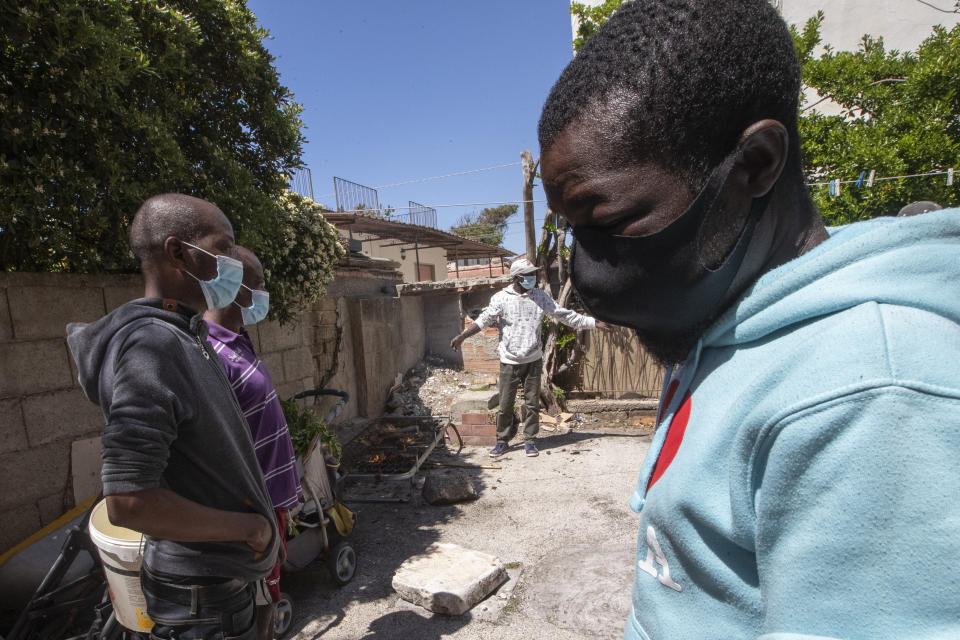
(479, 270)
(480, 351)
(478, 428)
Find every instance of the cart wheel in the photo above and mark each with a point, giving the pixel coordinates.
(283, 617)
(342, 562)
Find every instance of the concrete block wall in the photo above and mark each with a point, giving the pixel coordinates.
(388, 338)
(43, 412)
(331, 345)
(335, 328)
(442, 323)
(42, 409)
(286, 352)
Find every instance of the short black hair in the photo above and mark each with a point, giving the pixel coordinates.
(680, 80)
(162, 216)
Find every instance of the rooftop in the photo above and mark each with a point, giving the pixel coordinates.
(407, 234)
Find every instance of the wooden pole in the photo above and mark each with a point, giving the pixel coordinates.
(529, 173)
(416, 248)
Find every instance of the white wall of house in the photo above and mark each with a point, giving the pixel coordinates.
(904, 24)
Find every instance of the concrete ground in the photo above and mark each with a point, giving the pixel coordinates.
(560, 523)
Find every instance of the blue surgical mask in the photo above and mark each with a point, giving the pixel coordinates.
(528, 282)
(257, 311)
(220, 291)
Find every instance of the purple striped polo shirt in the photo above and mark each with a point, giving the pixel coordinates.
(257, 396)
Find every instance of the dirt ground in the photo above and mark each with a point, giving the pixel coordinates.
(560, 523)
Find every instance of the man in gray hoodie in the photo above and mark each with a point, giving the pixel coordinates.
(178, 462)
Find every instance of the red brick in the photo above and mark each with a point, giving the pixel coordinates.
(475, 418)
(481, 364)
(480, 441)
(477, 429)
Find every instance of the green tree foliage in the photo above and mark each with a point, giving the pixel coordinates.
(107, 102)
(590, 18)
(900, 115)
(487, 226)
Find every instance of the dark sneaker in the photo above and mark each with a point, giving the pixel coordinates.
(531, 450)
(498, 450)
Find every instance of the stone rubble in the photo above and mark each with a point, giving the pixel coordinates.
(448, 488)
(430, 386)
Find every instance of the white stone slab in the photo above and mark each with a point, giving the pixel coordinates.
(447, 578)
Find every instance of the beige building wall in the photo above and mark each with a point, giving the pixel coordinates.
(435, 257)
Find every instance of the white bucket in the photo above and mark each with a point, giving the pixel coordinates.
(121, 552)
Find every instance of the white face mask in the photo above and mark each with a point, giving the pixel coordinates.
(260, 305)
(220, 291)
(528, 282)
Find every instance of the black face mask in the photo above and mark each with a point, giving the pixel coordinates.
(659, 283)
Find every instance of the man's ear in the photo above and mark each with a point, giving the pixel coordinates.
(764, 145)
(763, 155)
(173, 251)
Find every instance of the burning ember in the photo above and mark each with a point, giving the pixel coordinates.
(387, 448)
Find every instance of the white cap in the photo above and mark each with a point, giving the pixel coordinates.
(522, 267)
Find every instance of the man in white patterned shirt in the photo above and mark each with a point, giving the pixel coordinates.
(520, 309)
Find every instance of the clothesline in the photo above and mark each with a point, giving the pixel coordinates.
(867, 180)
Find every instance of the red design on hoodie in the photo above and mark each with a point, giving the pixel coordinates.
(675, 434)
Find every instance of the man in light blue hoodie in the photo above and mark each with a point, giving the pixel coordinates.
(802, 482)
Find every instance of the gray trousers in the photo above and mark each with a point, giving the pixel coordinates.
(511, 376)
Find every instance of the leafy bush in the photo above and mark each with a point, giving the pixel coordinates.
(299, 258)
(305, 425)
(900, 115)
(565, 335)
(105, 103)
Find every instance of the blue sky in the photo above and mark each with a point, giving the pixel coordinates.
(397, 91)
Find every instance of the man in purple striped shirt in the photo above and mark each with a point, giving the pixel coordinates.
(257, 396)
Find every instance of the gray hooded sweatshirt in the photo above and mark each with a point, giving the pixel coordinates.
(173, 422)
